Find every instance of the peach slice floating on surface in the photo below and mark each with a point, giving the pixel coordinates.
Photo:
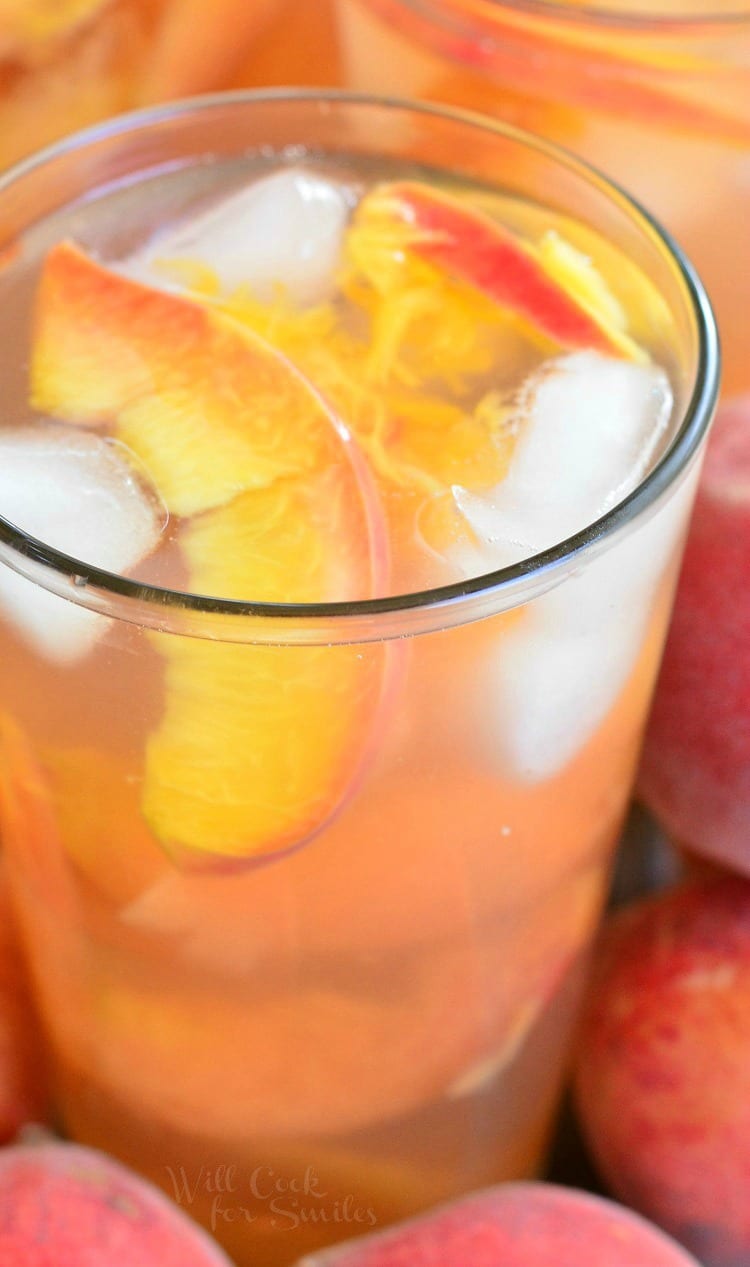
(318, 1052)
(209, 407)
(258, 744)
(471, 246)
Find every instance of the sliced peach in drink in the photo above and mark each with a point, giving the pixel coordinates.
(207, 405)
(472, 247)
(258, 744)
(337, 1045)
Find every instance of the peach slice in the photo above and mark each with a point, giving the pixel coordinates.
(472, 247)
(258, 744)
(209, 407)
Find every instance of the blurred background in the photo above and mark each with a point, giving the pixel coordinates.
(65, 64)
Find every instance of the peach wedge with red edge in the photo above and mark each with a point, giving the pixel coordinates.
(515, 1225)
(258, 745)
(474, 248)
(209, 407)
(63, 1205)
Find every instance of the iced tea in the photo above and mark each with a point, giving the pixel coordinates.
(344, 488)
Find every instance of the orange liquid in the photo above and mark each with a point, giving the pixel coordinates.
(666, 113)
(387, 1010)
(304, 1047)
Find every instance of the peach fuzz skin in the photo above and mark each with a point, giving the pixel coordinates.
(663, 1077)
(516, 1225)
(23, 1095)
(695, 774)
(66, 1206)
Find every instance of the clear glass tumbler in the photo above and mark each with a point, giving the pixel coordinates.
(376, 1019)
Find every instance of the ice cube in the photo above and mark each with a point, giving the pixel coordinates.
(560, 670)
(284, 231)
(79, 493)
(590, 428)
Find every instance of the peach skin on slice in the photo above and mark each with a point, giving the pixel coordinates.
(258, 744)
(209, 407)
(471, 247)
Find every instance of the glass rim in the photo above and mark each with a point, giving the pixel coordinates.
(98, 589)
(621, 18)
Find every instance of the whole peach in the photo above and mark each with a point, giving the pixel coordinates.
(515, 1225)
(695, 774)
(663, 1064)
(66, 1206)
